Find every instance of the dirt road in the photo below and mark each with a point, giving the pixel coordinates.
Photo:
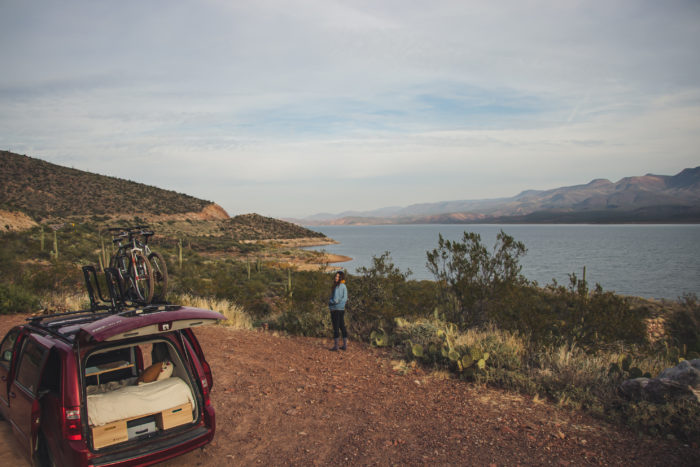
(289, 401)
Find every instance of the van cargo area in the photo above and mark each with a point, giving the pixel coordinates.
(136, 391)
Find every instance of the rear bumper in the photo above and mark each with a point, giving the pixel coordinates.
(158, 452)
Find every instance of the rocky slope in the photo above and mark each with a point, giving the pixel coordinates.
(44, 191)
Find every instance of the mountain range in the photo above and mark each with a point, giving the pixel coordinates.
(638, 199)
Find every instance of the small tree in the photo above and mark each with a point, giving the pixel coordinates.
(471, 278)
(377, 294)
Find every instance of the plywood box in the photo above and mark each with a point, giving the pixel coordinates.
(111, 433)
(174, 416)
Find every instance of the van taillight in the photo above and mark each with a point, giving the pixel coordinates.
(72, 428)
(205, 390)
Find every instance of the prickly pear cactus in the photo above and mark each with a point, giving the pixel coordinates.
(417, 350)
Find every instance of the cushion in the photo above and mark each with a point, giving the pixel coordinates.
(156, 372)
(166, 371)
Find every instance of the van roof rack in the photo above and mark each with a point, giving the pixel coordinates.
(102, 303)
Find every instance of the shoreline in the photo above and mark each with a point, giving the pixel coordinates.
(303, 242)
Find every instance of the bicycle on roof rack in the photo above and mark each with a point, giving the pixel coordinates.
(134, 273)
(160, 269)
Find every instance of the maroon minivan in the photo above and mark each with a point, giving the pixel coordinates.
(105, 388)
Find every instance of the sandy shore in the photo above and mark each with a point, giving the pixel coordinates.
(295, 242)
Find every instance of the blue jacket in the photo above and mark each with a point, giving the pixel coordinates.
(338, 298)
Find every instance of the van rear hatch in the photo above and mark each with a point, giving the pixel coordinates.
(145, 322)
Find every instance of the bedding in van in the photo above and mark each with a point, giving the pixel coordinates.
(134, 401)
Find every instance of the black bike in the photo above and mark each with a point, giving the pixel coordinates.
(135, 273)
(160, 269)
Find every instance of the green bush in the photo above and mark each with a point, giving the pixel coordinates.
(684, 325)
(381, 293)
(678, 418)
(471, 277)
(16, 299)
(313, 322)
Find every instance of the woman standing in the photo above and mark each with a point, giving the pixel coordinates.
(339, 296)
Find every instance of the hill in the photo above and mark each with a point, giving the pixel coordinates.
(648, 198)
(44, 191)
(257, 227)
(34, 191)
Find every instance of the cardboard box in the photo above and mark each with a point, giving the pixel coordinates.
(174, 416)
(111, 433)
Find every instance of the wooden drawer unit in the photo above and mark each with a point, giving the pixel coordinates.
(111, 433)
(175, 416)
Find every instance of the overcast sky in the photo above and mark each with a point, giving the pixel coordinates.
(290, 108)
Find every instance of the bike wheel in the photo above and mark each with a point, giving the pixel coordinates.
(160, 275)
(119, 263)
(141, 280)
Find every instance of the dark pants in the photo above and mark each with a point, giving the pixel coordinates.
(338, 320)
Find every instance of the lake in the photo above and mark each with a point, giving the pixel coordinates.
(653, 261)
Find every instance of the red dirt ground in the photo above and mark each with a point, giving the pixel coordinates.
(289, 401)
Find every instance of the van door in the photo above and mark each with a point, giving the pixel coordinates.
(23, 392)
(7, 352)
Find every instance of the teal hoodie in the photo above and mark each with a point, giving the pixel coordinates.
(339, 297)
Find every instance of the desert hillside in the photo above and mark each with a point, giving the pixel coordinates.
(33, 191)
(44, 191)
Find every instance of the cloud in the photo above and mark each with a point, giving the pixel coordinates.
(397, 102)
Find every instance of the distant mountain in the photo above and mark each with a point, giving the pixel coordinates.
(43, 191)
(648, 198)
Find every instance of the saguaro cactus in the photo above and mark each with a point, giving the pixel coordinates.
(55, 245)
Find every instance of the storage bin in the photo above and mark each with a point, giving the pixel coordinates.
(141, 427)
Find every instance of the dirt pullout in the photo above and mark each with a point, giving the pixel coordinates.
(289, 401)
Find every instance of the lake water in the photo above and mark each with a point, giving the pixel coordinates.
(654, 261)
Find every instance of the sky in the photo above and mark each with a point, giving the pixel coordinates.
(291, 108)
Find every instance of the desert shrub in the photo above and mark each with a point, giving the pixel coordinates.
(683, 325)
(477, 286)
(566, 373)
(678, 418)
(506, 349)
(470, 353)
(589, 318)
(17, 299)
(311, 322)
(381, 293)
(470, 276)
(64, 301)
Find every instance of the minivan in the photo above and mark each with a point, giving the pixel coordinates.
(97, 388)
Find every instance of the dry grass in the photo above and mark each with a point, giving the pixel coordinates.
(56, 302)
(492, 338)
(236, 317)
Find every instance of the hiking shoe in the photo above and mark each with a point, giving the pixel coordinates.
(343, 348)
(334, 348)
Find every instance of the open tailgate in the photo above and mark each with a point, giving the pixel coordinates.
(145, 322)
